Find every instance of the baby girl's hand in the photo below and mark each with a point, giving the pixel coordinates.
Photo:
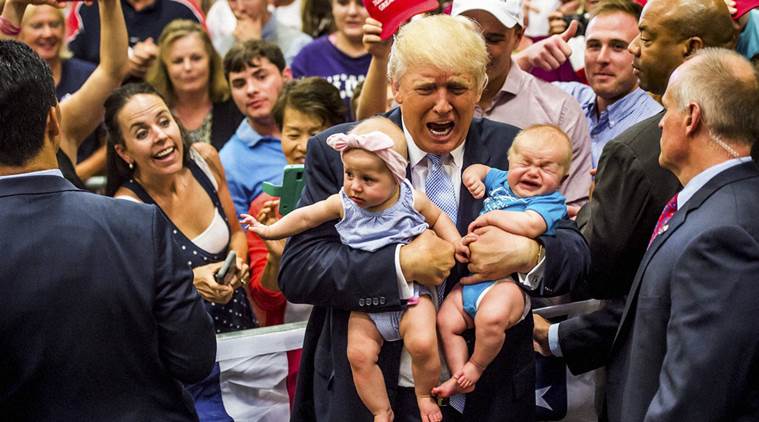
(462, 248)
(250, 223)
(473, 184)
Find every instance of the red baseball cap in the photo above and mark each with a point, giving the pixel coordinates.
(393, 13)
(744, 6)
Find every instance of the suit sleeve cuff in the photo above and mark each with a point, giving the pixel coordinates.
(405, 289)
(553, 340)
(532, 280)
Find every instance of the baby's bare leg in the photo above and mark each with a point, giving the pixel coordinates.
(420, 339)
(452, 321)
(499, 309)
(364, 344)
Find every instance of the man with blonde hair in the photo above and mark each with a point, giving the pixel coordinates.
(437, 74)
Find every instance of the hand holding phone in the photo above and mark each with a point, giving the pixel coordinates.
(229, 263)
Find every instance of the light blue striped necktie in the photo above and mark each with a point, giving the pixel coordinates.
(439, 190)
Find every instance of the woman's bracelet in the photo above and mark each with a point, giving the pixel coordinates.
(8, 28)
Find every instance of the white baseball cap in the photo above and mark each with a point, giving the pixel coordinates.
(508, 12)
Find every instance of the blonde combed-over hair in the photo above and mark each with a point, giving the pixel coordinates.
(448, 43)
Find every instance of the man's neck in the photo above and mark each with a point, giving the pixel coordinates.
(45, 160)
(494, 86)
(265, 127)
(708, 154)
(602, 104)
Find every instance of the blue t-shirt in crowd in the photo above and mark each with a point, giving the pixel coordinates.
(249, 160)
(748, 41)
(552, 207)
(321, 58)
(74, 74)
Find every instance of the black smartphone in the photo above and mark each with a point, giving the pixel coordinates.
(229, 262)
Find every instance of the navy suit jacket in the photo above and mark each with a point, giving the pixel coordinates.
(687, 348)
(631, 191)
(99, 319)
(317, 269)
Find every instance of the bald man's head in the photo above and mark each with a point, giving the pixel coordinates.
(671, 31)
(724, 85)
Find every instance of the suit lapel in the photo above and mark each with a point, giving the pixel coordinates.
(474, 153)
(731, 175)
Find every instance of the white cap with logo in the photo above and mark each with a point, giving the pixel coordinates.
(508, 12)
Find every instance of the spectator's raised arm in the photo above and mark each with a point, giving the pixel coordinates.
(82, 112)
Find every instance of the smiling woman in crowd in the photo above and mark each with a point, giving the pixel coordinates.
(190, 76)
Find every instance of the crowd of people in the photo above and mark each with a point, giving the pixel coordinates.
(461, 167)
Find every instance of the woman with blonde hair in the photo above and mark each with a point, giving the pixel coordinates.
(190, 76)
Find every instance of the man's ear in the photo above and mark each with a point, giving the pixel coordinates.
(53, 126)
(287, 74)
(395, 85)
(692, 45)
(693, 118)
(518, 33)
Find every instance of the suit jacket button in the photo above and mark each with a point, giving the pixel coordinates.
(361, 302)
(375, 301)
(382, 300)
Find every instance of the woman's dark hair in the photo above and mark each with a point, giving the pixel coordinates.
(117, 170)
(313, 96)
(316, 18)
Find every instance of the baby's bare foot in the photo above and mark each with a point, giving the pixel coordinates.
(429, 409)
(468, 376)
(449, 388)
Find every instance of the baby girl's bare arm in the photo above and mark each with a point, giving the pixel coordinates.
(439, 221)
(298, 220)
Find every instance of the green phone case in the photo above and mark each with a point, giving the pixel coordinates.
(293, 182)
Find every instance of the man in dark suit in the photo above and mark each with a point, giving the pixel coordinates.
(438, 71)
(686, 317)
(631, 187)
(100, 320)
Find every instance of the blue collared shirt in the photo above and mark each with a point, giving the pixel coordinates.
(249, 160)
(620, 115)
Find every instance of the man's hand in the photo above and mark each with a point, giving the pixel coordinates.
(540, 335)
(428, 259)
(549, 53)
(497, 254)
(141, 57)
(377, 47)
